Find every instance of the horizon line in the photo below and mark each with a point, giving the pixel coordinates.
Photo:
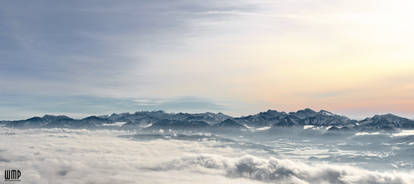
(73, 115)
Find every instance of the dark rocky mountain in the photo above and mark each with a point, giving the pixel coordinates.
(299, 118)
(305, 113)
(136, 120)
(229, 123)
(210, 118)
(288, 121)
(50, 121)
(322, 118)
(262, 119)
(270, 118)
(385, 122)
(178, 124)
(37, 122)
(145, 118)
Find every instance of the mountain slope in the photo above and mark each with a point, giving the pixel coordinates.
(385, 122)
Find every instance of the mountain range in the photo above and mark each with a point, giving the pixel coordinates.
(154, 120)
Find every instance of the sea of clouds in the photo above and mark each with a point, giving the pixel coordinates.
(108, 156)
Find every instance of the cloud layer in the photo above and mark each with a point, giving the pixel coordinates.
(83, 156)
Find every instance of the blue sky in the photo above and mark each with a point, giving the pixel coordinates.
(91, 57)
(238, 57)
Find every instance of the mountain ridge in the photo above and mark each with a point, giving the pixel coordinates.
(269, 118)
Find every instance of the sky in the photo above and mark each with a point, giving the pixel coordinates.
(239, 57)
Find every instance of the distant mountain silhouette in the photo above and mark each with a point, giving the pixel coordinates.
(161, 120)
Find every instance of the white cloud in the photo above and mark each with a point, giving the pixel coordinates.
(83, 156)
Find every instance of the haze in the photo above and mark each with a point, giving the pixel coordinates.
(237, 57)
